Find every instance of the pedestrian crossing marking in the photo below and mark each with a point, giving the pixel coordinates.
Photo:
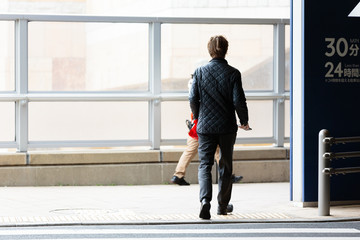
(129, 216)
(174, 231)
(161, 233)
(224, 238)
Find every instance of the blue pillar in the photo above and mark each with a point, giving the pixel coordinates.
(325, 92)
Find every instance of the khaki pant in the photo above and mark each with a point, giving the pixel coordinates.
(188, 155)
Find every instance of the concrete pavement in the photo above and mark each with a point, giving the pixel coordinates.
(151, 204)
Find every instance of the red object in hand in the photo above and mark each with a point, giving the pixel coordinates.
(192, 132)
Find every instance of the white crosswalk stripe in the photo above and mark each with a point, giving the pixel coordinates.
(220, 238)
(180, 233)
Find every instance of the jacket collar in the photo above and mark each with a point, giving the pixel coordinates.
(218, 60)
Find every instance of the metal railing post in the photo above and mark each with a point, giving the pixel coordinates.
(155, 84)
(324, 179)
(279, 83)
(21, 83)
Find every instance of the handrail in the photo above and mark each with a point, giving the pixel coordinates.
(331, 155)
(325, 171)
(336, 171)
(119, 96)
(342, 140)
(137, 19)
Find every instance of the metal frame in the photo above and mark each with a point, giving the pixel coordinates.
(155, 84)
(279, 85)
(154, 96)
(21, 83)
(325, 171)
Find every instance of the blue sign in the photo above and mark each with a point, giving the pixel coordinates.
(331, 89)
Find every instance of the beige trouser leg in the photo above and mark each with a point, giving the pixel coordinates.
(217, 155)
(186, 157)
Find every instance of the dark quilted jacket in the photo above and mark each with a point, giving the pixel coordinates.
(216, 93)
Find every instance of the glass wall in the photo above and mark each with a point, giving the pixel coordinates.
(7, 79)
(287, 80)
(61, 121)
(94, 82)
(261, 115)
(184, 48)
(7, 121)
(287, 58)
(174, 115)
(287, 118)
(7, 52)
(72, 56)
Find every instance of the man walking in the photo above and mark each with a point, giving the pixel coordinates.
(215, 95)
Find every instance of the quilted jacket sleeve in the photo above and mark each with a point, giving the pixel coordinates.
(239, 99)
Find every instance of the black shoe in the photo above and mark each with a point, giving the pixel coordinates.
(224, 211)
(236, 179)
(221, 211)
(179, 181)
(229, 208)
(205, 209)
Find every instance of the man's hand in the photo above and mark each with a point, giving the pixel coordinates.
(245, 127)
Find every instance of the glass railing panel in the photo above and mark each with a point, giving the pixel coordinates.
(7, 53)
(173, 117)
(184, 48)
(175, 113)
(287, 118)
(61, 121)
(287, 58)
(76, 56)
(261, 115)
(7, 121)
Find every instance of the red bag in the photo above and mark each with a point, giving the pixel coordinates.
(192, 132)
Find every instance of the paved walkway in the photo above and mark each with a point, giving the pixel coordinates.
(150, 204)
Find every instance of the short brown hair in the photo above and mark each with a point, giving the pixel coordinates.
(218, 46)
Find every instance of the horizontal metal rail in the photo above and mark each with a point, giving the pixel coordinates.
(6, 144)
(73, 97)
(331, 155)
(111, 96)
(116, 143)
(343, 140)
(128, 19)
(249, 96)
(324, 169)
(260, 140)
(330, 171)
(89, 143)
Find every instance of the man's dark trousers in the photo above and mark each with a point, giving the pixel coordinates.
(207, 147)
